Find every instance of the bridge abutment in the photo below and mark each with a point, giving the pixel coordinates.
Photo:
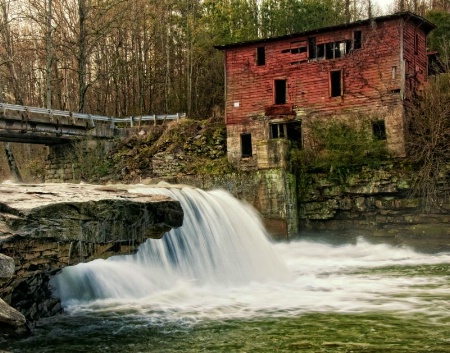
(86, 159)
(61, 165)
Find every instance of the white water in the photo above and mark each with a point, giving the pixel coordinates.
(220, 264)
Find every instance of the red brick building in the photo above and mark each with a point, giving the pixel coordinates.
(362, 72)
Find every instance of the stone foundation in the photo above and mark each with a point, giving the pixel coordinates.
(375, 200)
(77, 161)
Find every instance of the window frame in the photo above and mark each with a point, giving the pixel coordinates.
(379, 130)
(260, 56)
(281, 131)
(277, 94)
(359, 42)
(246, 145)
(332, 80)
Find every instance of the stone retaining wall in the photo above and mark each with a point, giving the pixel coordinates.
(373, 199)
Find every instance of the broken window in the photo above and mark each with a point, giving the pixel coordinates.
(291, 131)
(379, 130)
(347, 45)
(246, 145)
(357, 40)
(320, 51)
(331, 50)
(278, 131)
(280, 91)
(336, 50)
(261, 56)
(299, 50)
(299, 47)
(336, 83)
(294, 133)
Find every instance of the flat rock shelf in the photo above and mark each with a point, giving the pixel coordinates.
(46, 227)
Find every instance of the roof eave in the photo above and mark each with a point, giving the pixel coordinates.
(426, 25)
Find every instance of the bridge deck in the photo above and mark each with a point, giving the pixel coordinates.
(50, 126)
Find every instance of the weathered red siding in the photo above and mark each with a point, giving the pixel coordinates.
(376, 79)
(415, 56)
(367, 74)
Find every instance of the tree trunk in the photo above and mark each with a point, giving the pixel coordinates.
(347, 11)
(10, 64)
(49, 48)
(369, 8)
(82, 53)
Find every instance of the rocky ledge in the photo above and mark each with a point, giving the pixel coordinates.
(46, 227)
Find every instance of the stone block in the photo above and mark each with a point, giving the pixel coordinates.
(7, 266)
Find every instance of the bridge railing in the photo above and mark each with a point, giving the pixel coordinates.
(91, 118)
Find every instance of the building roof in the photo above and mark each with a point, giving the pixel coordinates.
(426, 25)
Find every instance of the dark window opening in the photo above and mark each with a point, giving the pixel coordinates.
(312, 47)
(320, 51)
(294, 133)
(298, 47)
(291, 131)
(329, 51)
(280, 91)
(299, 50)
(336, 83)
(357, 40)
(379, 130)
(348, 46)
(261, 56)
(246, 145)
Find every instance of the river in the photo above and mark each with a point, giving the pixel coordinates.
(219, 284)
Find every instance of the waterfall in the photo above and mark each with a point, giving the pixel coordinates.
(222, 243)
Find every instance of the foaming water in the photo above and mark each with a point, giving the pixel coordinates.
(221, 265)
(221, 244)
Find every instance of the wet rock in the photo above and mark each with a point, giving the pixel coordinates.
(44, 228)
(74, 212)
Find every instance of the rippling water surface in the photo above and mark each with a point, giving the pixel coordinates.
(218, 284)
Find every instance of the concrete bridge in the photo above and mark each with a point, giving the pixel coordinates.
(22, 124)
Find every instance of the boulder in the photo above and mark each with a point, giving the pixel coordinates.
(11, 316)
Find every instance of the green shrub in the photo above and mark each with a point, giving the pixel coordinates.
(339, 149)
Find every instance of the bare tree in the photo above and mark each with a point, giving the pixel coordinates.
(49, 47)
(8, 45)
(82, 53)
(428, 138)
(347, 11)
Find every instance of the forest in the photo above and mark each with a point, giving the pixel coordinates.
(133, 57)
